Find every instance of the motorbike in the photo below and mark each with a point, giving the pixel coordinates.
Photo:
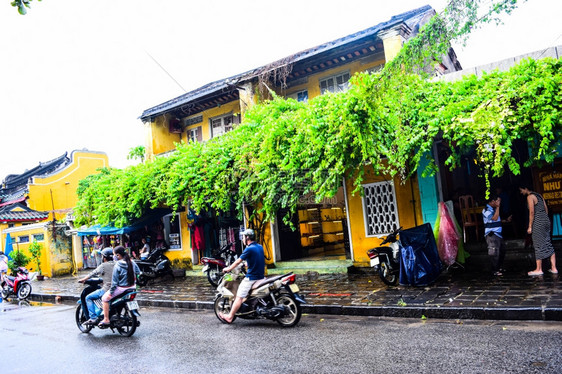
(154, 266)
(212, 266)
(275, 298)
(123, 310)
(386, 259)
(16, 285)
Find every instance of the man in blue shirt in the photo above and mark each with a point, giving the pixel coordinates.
(493, 233)
(255, 260)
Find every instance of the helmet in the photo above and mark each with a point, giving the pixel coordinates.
(249, 233)
(107, 253)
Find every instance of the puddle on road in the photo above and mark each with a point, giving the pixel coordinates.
(10, 304)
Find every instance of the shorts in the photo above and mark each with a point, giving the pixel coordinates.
(244, 288)
(118, 291)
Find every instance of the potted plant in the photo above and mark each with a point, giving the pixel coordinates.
(35, 251)
(18, 259)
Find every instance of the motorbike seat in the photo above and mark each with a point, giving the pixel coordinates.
(10, 278)
(132, 290)
(264, 281)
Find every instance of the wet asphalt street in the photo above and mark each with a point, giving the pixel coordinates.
(45, 339)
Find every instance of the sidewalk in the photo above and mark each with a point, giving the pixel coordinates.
(468, 294)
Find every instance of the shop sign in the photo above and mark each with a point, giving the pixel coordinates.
(550, 187)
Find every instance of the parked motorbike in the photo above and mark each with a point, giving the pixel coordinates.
(213, 266)
(386, 260)
(123, 310)
(276, 298)
(18, 285)
(154, 266)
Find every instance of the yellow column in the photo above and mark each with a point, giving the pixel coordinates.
(393, 39)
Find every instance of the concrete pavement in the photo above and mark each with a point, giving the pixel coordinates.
(457, 294)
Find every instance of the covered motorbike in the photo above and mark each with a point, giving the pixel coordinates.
(123, 310)
(276, 298)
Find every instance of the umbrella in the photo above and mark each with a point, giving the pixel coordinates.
(8, 247)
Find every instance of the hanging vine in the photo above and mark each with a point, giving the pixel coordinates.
(285, 149)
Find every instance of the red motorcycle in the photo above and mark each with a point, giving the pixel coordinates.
(18, 285)
(213, 266)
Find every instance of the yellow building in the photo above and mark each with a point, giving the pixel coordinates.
(347, 225)
(33, 205)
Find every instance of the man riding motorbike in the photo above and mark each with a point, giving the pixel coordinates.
(105, 271)
(255, 259)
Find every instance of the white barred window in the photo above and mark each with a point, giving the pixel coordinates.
(379, 208)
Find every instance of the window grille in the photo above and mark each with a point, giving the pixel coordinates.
(379, 208)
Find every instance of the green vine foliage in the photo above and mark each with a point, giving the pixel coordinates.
(389, 120)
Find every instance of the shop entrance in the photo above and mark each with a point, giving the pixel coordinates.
(320, 230)
(467, 180)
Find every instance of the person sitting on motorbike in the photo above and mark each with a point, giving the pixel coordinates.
(105, 271)
(254, 256)
(123, 278)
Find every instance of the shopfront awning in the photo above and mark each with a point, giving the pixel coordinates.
(147, 219)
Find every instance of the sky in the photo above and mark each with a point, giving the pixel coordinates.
(78, 74)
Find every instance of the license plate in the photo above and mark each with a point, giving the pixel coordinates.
(294, 288)
(132, 305)
(375, 261)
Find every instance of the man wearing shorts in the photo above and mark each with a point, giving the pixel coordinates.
(254, 257)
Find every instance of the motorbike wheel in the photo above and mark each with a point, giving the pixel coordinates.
(24, 291)
(80, 319)
(129, 322)
(294, 311)
(5, 293)
(214, 275)
(387, 276)
(222, 305)
(142, 280)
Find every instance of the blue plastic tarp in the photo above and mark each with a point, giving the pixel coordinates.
(420, 264)
(147, 219)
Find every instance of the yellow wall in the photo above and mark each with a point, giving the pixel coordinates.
(58, 191)
(158, 137)
(313, 83)
(232, 107)
(53, 261)
(185, 252)
(362, 243)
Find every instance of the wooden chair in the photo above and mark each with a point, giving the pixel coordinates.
(470, 214)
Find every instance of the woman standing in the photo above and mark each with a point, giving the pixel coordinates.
(539, 228)
(125, 272)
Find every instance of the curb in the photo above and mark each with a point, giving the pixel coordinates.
(479, 313)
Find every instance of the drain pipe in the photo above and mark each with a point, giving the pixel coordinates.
(348, 221)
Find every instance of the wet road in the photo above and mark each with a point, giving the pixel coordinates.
(45, 339)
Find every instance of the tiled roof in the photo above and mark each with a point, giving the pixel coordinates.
(20, 213)
(8, 197)
(14, 181)
(411, 18)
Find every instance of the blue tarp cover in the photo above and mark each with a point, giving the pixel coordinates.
(147, 219)
(420, 264)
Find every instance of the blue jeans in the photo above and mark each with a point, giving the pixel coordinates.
(97, 294)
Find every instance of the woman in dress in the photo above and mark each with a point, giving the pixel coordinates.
(539, 228)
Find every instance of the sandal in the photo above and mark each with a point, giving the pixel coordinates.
(535, 273)
(552, 272)
(104, 325)
(498, 273)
